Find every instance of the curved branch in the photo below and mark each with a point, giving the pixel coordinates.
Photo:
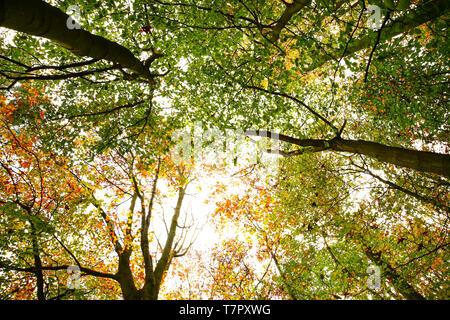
(38, 18)
(289, 12)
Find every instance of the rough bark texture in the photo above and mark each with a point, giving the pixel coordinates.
(38, 18)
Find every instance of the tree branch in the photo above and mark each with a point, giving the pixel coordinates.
(289, 12)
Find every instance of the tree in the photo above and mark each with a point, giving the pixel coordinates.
(368, 103)
(251, 64)
(41, 19)
(255, 56)
(322, 241)
(36, 198)
(33, 195)
(139, 274)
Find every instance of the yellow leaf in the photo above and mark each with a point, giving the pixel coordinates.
(265, 83)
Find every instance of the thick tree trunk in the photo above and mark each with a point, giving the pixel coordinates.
(125, 278)
(150, 291)
(419, 160)
(38, 18)
(153, 278)
(424, 161)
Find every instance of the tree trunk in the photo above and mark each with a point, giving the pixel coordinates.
(125, 278)
(150, 291)
(291, 9)
(423, 161)
(399, 283)
(418, 160)
(38, 18)
(164, 262)
(37, 264)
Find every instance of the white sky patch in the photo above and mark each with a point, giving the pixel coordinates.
(8, 36)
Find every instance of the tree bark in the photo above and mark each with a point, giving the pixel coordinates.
(153, 277)
(399, 283)
(37, 264)
(125, 277)
(38, 18)
(149, 290)
(291, 10)
(423, 161)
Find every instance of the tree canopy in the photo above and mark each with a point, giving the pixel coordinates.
(114, 112)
